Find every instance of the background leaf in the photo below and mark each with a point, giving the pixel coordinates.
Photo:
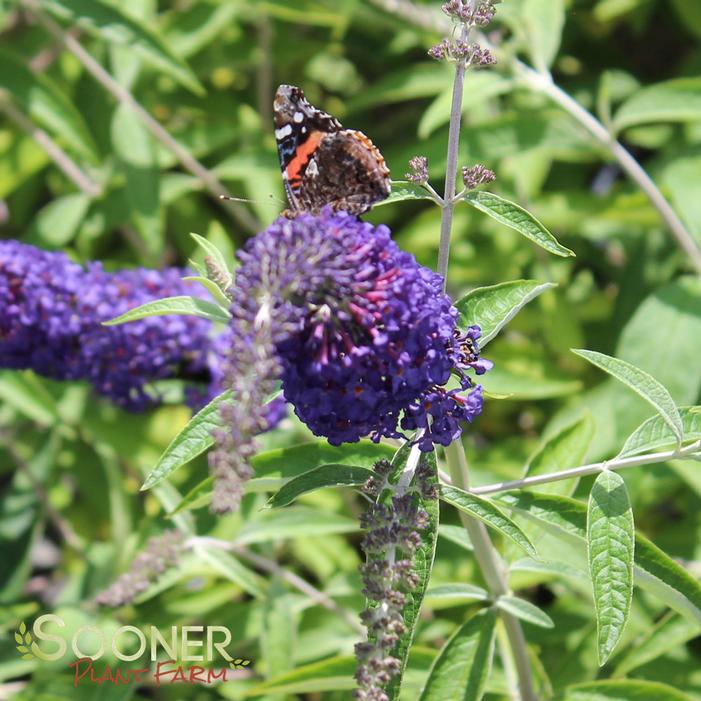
(670, 101)
(463, 665)
(112, 24)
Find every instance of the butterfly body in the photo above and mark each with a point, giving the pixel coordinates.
(322, 163)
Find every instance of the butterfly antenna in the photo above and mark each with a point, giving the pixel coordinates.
(228, 198)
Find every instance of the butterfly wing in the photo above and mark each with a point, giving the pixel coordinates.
(322, 163)
(347, 172)
(299, 128)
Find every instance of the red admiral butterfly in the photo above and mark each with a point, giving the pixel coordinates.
(322, 163)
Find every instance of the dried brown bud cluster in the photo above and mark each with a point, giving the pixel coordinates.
(477, 175)
(468, 14)
(458, 50)
(418, 170)
(160, 554)
(391, 540)
(480, 16)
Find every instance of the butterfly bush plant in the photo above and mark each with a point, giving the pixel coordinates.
(325, 314)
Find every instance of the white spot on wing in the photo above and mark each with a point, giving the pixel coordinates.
(282, 132)
(298, 117)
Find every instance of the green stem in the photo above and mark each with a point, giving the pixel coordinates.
(451, 169)
(591, 469)
(493, 572)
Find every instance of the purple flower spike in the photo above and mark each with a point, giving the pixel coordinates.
(51, 314)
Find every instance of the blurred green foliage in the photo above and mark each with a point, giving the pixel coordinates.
(72, 516)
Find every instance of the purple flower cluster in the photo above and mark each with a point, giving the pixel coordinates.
(51, 311)
(366, 337)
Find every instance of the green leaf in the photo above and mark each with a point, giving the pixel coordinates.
(639, 381)
(334, 674)
(57, 223)
(670, 632)
(173, 305)
(456, 593)
(322, 476)
(403, 190)
(456, 535)
(228, 566)
(665, 577)
(486, 511)
(422, 561)
(680, 179)
(515, 217)
(655, 571)
(47, 105)
(274, 467)
(677, 100)
(544, 21)
(616, 410)
(655, 434)
(108, 22)
(293, 522)
(491, 308)
(24, 392)
(298, 459)
(211, 251)
(190, 442)
(524, 610)
(566, 448)
(610, 546)
(622, 690)
(136, 158)
(217, 295)
(200, 495)
(279, 630)
(463, 665)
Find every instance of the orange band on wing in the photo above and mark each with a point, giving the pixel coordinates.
(302, 155)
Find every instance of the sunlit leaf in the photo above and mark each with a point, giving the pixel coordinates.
(486, 511)
(517, 218)
(656, 434)
(525, 610)
(622, 690)
(320, 477)
(610, 547)
(403, 190)
(568, 447)
(643, 384)
(173, 305)
(491, 308)
(655, 571)
(191, 441)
